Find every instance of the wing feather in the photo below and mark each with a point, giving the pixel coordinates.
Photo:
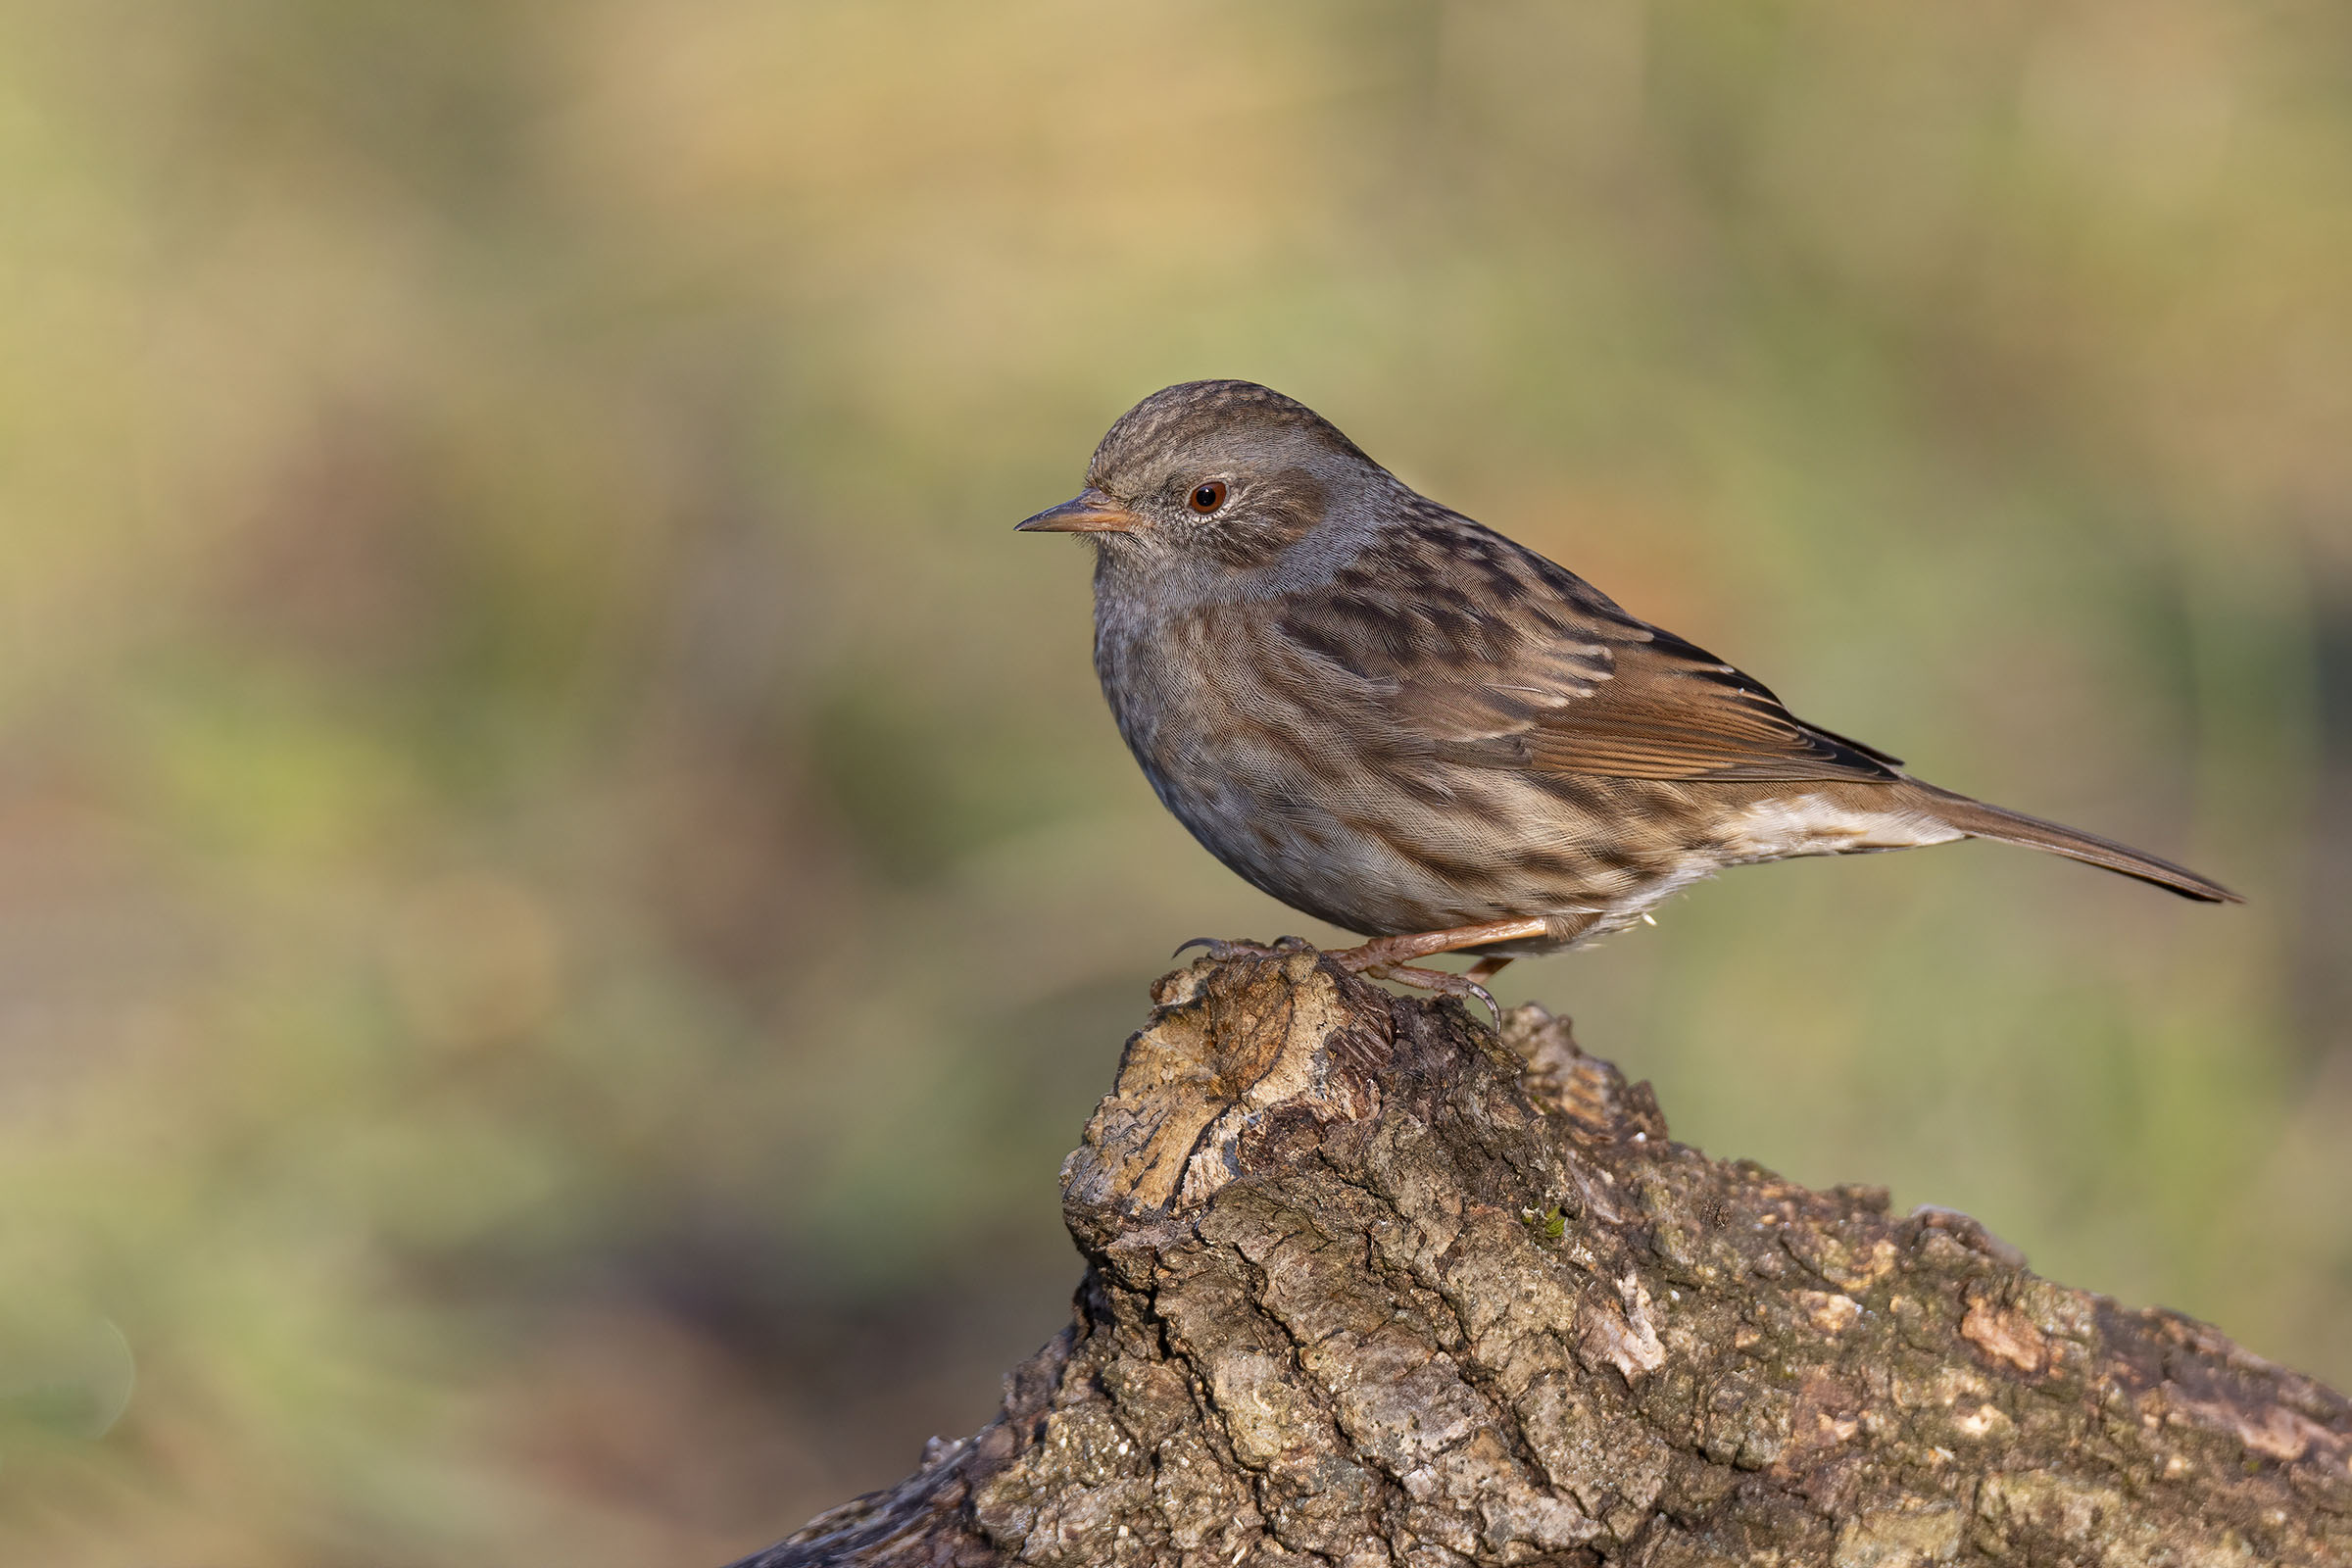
(1541, 670)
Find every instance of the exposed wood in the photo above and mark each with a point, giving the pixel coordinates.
(1367, 1284)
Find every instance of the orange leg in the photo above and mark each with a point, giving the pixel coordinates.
(1382, 952)
(1390, 957)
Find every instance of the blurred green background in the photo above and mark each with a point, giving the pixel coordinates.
(564, 883)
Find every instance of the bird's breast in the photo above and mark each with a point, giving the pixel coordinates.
(1294, 774)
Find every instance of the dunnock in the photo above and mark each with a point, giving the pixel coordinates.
(1403, 723)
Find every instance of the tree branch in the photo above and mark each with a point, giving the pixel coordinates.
(1367, 1286)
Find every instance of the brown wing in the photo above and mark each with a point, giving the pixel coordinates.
(1495, 655)
(1671, 709)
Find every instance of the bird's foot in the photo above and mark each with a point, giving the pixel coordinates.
(1220, 949)
(1382, 958)
(1444, 982)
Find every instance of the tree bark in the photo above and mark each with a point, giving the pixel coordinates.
(1368, 1285)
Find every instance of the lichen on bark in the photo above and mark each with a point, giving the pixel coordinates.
(1370, 1283)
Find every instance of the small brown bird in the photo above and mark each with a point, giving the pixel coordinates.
(1401, 722)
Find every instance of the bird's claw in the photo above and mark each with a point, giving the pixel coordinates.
(1442, 981)
(1363, 961)
(1220, 949)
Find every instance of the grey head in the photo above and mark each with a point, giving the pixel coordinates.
(1213, 490)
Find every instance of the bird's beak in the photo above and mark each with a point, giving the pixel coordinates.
(1088, 511)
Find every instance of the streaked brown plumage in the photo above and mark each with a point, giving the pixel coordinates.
(1401, 722)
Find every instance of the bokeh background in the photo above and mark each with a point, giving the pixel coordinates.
(564, 884)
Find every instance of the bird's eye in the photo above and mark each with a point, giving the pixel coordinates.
(1209, 497)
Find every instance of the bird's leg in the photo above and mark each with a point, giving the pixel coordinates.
(1390, 957)
(1382, 952)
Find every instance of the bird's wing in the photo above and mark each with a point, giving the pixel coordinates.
(1495, 655)
(1671, 709)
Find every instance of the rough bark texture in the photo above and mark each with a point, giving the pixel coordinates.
(1366, 1285)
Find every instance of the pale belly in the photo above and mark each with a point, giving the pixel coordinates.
(1415, 845)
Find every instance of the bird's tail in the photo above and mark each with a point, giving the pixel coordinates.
(1979, 820)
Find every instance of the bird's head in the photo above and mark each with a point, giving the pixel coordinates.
(1215, 477)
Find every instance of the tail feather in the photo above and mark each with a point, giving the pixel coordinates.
(1979, 820)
